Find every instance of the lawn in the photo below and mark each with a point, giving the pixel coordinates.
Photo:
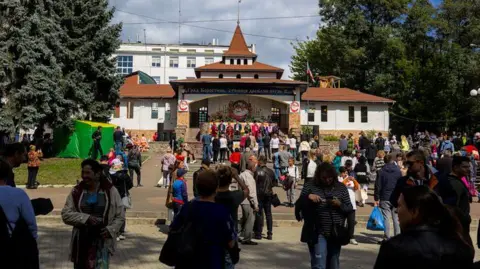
(52, 171)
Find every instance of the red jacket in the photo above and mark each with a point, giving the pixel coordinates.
(235, 157)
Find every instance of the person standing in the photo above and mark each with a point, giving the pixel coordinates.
(207, 146)
(247, 128)
(34, 156)
(243, 142)
(97, 147)
(444, 164)
(222, 127)
(229, 131)
(380, 142)
(293, 176)
(223, 149)
(266, 146)
(235, 160)
(350, 143)
(249, 205)
(264, 177)
(94, 208)
(362, 176)
(283, 157)
(214, 129)
(343, 144)
(179, 191)
(255, 128)
(447, 145)
(237, 128)
(118, 140)
(304, 149)
(292, 142)
(324, 203)
(309, 166)
(384, 187)
(260, 144)
(244, 159)
(168, 161)
(204, 167)
(274, 143)
(13, 156)
(215, 148)
(135, 164)
(461, 170)
(352, 187)
(276, 168)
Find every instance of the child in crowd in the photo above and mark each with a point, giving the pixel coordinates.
(352, 186)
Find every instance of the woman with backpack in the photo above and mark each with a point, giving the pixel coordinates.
(362, 176)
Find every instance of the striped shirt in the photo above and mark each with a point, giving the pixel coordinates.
(323, 217)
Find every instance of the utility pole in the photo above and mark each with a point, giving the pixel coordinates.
(179, 20)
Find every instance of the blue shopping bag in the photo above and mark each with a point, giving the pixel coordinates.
(376, 222)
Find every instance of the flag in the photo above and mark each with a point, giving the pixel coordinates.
(309, 73)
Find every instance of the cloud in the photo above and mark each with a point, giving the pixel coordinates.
(272, 51)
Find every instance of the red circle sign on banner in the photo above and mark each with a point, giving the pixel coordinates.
(183, 105)
(294, 107)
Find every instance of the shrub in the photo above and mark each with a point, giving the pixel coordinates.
(330, 138)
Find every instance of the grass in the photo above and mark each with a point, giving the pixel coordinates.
(52, 171)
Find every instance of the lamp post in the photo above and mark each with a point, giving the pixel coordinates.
(474, 92)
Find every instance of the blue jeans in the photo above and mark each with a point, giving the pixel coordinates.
(228, 261)
(324, 255)
(118, 147)
(277, 173)
(207, 152)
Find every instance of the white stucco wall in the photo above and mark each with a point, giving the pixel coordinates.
(234, 74)
(142, 119)
(378, 116)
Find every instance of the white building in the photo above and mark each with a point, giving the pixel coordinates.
(166, 62)
(180, 87)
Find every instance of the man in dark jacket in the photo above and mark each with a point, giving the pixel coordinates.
(97, 147)
(444, 165)
(460, 168)
(264, 177)
(14, 155)
(380, 142)
(205, 166)
(118, 140)
(266, 146)
(384, 186)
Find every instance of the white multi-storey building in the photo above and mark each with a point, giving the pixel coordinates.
(166, 62)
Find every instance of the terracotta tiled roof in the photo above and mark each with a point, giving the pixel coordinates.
(341, 95)
(237, 80)
(238, 46)
(256, 66)
(146, 91)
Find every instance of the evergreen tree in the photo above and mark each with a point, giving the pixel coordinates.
(89, 70)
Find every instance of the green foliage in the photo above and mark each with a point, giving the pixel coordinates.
(371, 134)
(331, 138)
(55, 62)
(407, 50)
(307, 130)
(52, 171)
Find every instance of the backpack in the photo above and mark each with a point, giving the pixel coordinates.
(186, 245)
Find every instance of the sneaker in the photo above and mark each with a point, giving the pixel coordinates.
(269, 237)
(249, 242)
(121, 237)
(118, 239)
(353, 242)
(194, 161)
(258, 237)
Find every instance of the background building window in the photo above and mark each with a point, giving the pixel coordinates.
(351, 114)
(124, 65)
(324, 111)
(255, 76)
(174, 62)
(157, 79)
(116, 114)
(154, 110)
(172, 78)
(209, 60)
(130, 109)
(245, 61)
(364, 113)
(191, 62)
(232, 61)
(220, 76)
(156, 61)
(174, 50)
(239, 76)
(191, 51)
(239, 62)
(311, 116)
(209, 51)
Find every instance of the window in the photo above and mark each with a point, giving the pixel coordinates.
(232, 61)
(324, 111)
(239, 76)
(351, 114)
(190, 77)
(156, 49)
(174, 50)
(124, 65)
(130, 109)
(156, 61)
(157, 79)
(174, 62)
(172, 78)
(275, 114)
(116, 114)
(191, 62)
(245, 61)
(239, 62)
(191, 51)
(220, 76)
(255, 76)
(364, 113)
(154, 111)
(209, 51)
(209, 60)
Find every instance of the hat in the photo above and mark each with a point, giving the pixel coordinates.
(181, 172)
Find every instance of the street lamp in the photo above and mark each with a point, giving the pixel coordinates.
(474, 92)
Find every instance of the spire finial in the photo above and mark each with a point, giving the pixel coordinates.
(238, 12)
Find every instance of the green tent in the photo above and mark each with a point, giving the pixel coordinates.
(77, 144)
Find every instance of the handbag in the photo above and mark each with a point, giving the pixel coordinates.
(339, 233)
(126, 200)
(275, 200)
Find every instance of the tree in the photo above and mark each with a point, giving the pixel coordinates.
(89, 70)
(409, 51)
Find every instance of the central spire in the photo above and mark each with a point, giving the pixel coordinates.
(238, 12)
(238, 46)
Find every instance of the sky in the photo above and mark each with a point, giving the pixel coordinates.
(274, 51)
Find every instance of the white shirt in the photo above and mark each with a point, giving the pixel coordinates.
(274, 143)
(293, 171)
(312, 166)
(223, 143)
(247, 177)
(293, 143)
(345, 158)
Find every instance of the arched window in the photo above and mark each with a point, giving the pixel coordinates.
(220, 76)
(239, 62)
(245, 61)
(232, 61)
(239, 76)
(255, 76)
